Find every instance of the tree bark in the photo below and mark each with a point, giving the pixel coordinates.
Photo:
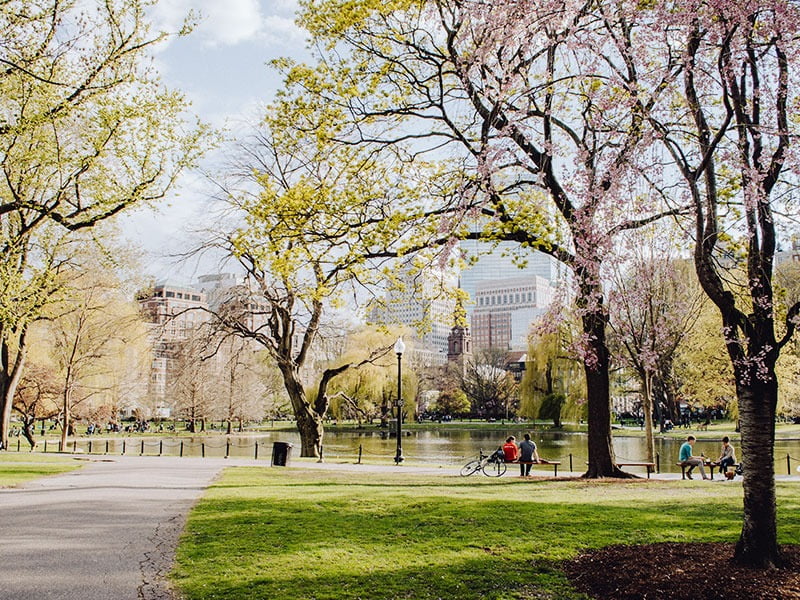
(647, 408)
(602, 462)
(29, 430)
(65, 424)
(9, 379)
(309, 423)
(757, 545)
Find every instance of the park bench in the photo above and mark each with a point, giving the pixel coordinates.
(651, 467)
(708, 464)
(554, 463)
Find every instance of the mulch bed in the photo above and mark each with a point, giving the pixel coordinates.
(673, 571)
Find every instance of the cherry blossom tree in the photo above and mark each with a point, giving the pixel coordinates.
(534, 110)
(731, 137)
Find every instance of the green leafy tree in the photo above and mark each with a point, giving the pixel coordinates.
(452, 402)
(308, 215)
(361, 393)
(87, 132)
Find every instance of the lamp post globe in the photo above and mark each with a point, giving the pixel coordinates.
(399, 348)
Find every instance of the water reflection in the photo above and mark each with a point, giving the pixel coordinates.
(454, 446)
(443, 446)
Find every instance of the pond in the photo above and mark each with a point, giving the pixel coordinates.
(444, 445)
(454, 447)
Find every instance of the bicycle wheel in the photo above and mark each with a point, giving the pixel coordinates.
(471, 467)
(494, 469)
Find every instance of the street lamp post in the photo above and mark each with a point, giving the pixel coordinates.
(399, 348)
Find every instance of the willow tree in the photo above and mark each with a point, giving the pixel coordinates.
(367, 392)
(553, 384)
(87, 132)
(535, 109)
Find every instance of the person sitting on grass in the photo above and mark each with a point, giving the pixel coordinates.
(686, 459)
(510, 450)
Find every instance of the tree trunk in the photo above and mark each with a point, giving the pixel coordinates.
(309, 423)
(602, 462)
(647, 407)
(311, 431)
(29, 431)
(758, 545)
(65, 424)
(9, 378)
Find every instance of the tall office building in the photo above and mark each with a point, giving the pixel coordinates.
(505, 309)
(496, 262)
(421, 302)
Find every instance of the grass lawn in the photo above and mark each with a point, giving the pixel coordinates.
(262, 533)
(18, 468)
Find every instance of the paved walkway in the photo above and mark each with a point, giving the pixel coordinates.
(105, 532)
(109, 530)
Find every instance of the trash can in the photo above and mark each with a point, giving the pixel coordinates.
(281, 452)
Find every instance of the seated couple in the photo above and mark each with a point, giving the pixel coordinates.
(687, 459)
(524, 453)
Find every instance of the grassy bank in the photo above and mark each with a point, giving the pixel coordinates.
(291, 534)
(19, 468)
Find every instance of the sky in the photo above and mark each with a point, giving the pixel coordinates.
(222, 68)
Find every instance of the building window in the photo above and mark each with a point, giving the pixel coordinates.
(170, 294)
(195, 298)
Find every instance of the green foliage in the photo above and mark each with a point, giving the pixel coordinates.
(452, 402)
(551, 408)
(551, 372)
(702, 366)
(359, 393)
(310, 534)
(88, 131)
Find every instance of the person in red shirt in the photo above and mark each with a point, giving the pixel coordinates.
(510, 450)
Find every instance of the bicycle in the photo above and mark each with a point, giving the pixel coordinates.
(492, 465)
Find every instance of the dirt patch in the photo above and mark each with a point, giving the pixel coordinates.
(673, 571)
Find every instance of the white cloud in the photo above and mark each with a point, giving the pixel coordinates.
(230, 22)
(283, 31)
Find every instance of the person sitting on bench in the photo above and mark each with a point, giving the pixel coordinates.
(686, 458)
(527, 454)
(727, 458)
(510, 450)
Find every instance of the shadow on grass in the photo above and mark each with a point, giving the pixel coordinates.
(479, 578)
(295, 538)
